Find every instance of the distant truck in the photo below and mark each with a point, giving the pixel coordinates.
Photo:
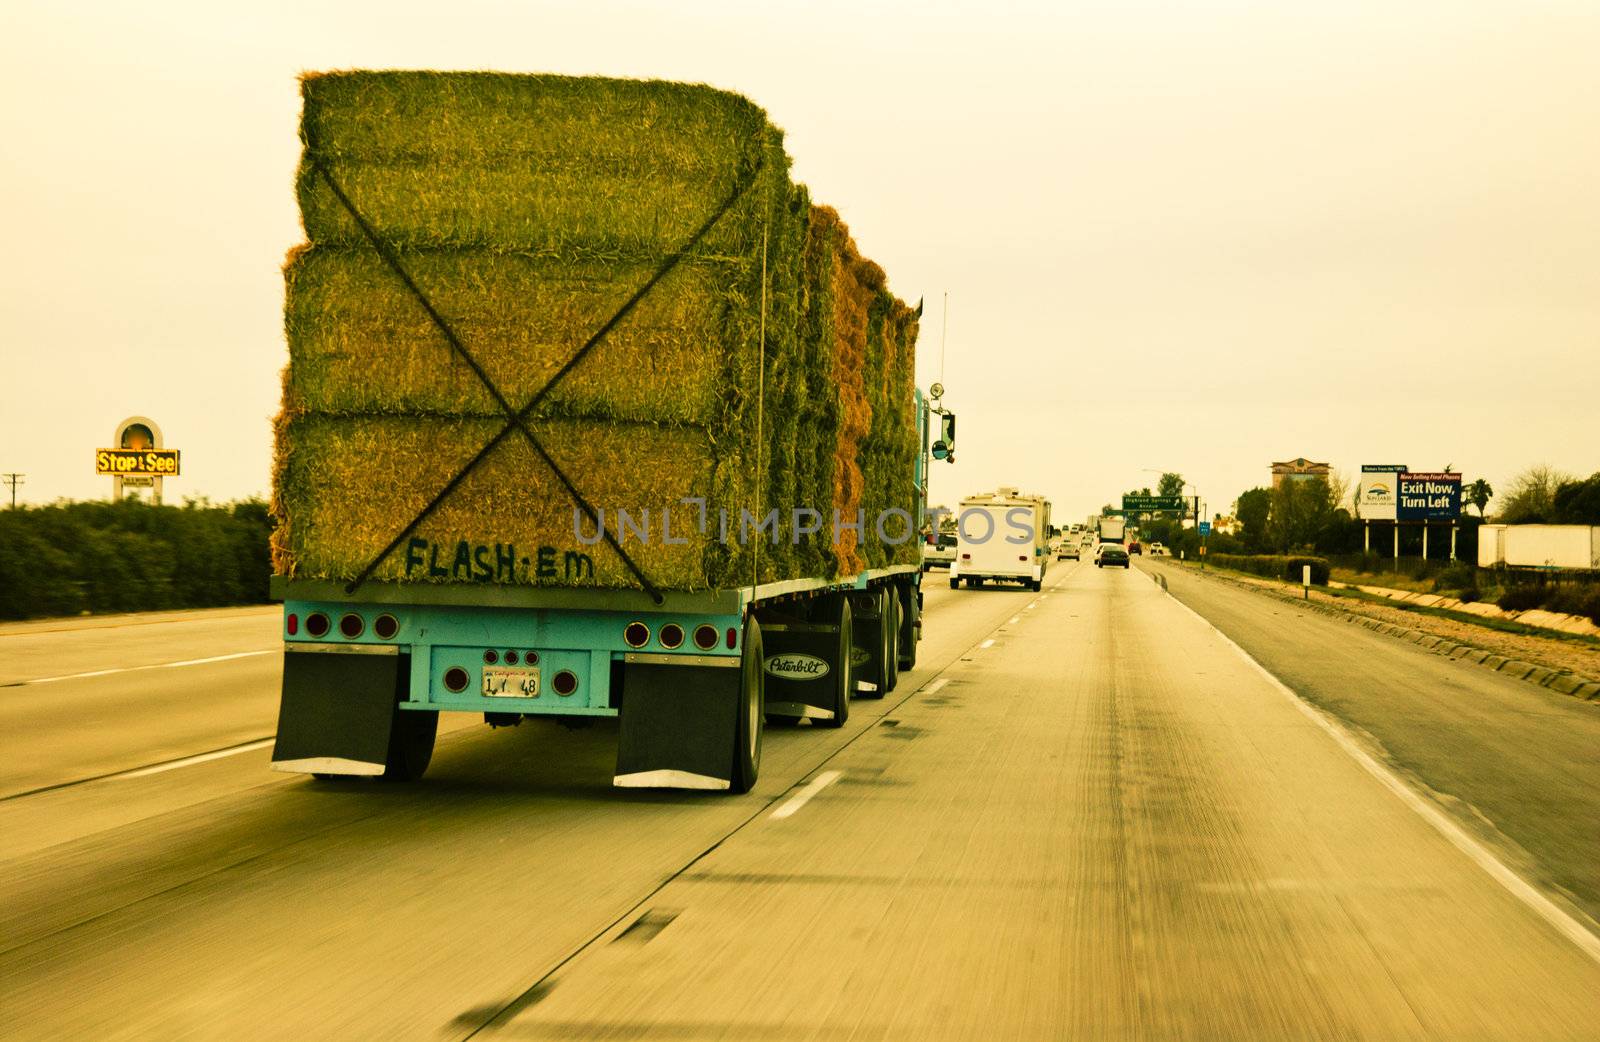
(1562, 547)
(1111, 529)
(1002, 536)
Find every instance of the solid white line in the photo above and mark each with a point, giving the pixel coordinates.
(1480, 855)
(801, 798)
(988, 643)
(158, 665)
(190, 761)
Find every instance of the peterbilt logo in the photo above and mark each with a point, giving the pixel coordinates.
(792, 665)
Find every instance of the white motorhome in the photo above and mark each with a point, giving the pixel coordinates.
(1002, 536)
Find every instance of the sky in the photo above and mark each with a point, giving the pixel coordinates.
(1189, 236)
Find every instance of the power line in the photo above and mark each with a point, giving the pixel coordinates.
(14, 479)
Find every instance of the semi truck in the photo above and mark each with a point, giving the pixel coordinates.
(490, 382)
(1002, 536)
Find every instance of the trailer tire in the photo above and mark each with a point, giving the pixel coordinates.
(877, 672)
(411, 739)
(891, 638)
(909, 618)
(844, 681)
(751, 722)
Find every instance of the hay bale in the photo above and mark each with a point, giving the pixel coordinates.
(671, 360)
(569, 166)
(345, 483)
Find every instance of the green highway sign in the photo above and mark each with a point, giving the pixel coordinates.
(1150, 504)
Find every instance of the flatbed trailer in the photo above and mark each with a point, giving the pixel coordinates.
(694, 678)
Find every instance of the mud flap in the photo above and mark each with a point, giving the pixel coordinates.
(678, 724)
(337, 709)
(802, 668)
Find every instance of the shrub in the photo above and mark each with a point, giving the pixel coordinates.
(1521, 598)
(1275, 566)
(1458, 576)
(69, 558)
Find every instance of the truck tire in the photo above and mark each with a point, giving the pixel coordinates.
(844, 680)
(411, 738)
(1036, 585)
(955, 584)
(751, 723)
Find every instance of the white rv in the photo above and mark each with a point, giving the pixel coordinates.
(1002, 536)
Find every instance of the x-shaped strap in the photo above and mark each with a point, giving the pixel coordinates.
(517, 419)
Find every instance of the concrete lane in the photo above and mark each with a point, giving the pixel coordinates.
(1513, 761)
(49, 648)
(235, 903)
(155, 695)
(1107, 825)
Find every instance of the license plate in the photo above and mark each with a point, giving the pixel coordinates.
(511, 683)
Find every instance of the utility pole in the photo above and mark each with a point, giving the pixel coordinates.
(14, 479)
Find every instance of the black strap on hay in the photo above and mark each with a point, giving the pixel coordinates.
(517, 420)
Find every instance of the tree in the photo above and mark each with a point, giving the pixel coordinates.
(1252, 510)
(1301, 513)
(1478, 494)
(1532, 498)
(1577, 502)
(1170, 485)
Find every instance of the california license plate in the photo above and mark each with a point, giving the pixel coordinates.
(511, 683)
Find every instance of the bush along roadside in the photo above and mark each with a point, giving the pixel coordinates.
(1275, 566)
(78, 558)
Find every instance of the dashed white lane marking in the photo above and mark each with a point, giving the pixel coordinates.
(1031, 605)
(158, 665)
(1014, 620)
(933, 686)
(801, 798)
(190, 761)
(988, 643)
(1521, 889)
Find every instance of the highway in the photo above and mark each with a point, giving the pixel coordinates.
(1105, 810)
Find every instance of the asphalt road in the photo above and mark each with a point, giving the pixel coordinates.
(1086, 814)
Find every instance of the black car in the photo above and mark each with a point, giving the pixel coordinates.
(1111, 556)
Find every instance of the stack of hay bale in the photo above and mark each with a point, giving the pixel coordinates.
(528, 210)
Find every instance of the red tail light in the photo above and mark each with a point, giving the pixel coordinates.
(294, 624)
(733, 638)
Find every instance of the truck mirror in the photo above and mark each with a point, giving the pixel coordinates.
(941, 450)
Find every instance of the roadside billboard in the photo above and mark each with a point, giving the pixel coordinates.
(1428, 497)
(1378, 492)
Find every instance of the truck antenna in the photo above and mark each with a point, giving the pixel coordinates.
(944, 333)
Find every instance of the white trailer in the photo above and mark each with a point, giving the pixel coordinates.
(1566, 547)
(1002, 536)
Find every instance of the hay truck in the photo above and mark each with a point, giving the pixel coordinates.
(568, 436)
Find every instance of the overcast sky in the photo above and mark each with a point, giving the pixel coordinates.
(1195, 236)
